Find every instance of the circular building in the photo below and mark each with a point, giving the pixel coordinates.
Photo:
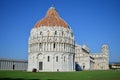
(51, 44)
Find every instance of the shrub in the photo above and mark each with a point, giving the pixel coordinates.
(34, 70)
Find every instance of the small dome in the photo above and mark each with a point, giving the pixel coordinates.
(51, 19)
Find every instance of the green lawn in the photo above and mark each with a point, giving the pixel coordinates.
(82, 75)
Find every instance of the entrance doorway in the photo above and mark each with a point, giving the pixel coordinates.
(13, 66)
(40, 65)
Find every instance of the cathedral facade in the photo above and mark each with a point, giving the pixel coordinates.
(51, 47)
(91, 61)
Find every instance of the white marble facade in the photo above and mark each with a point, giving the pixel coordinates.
(51, 49)
(91, 61)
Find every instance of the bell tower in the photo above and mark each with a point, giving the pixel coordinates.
(105, 49)
(105, 53)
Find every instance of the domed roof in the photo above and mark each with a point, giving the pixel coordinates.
(51, 19)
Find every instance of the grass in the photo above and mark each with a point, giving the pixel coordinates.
(82, 75)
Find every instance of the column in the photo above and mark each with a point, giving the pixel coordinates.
(42, 46)
(50, 46)
(45, 46)
(6, 65)
(1, 64)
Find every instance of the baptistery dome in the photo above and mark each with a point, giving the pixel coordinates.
(51, 19)
(51, 44)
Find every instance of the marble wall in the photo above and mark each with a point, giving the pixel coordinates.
(13, 64)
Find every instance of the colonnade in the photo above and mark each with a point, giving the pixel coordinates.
(10, 64)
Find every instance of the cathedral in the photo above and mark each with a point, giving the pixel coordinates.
(51, 47)
(91, 61)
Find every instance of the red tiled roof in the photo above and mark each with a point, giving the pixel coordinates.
(51, 19)
(116, 64)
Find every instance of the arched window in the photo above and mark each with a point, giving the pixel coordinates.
(54, 45)
(40, 45)
(56, 58)
(48, 59)
(55, 32)
(40, 32)
(48, 32)
(64, 58)
(62, 33)
(64, 45)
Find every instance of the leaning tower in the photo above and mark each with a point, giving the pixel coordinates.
(51, 44)
(105, 49)
(105, 53)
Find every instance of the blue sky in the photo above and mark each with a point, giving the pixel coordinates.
(94, 22)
